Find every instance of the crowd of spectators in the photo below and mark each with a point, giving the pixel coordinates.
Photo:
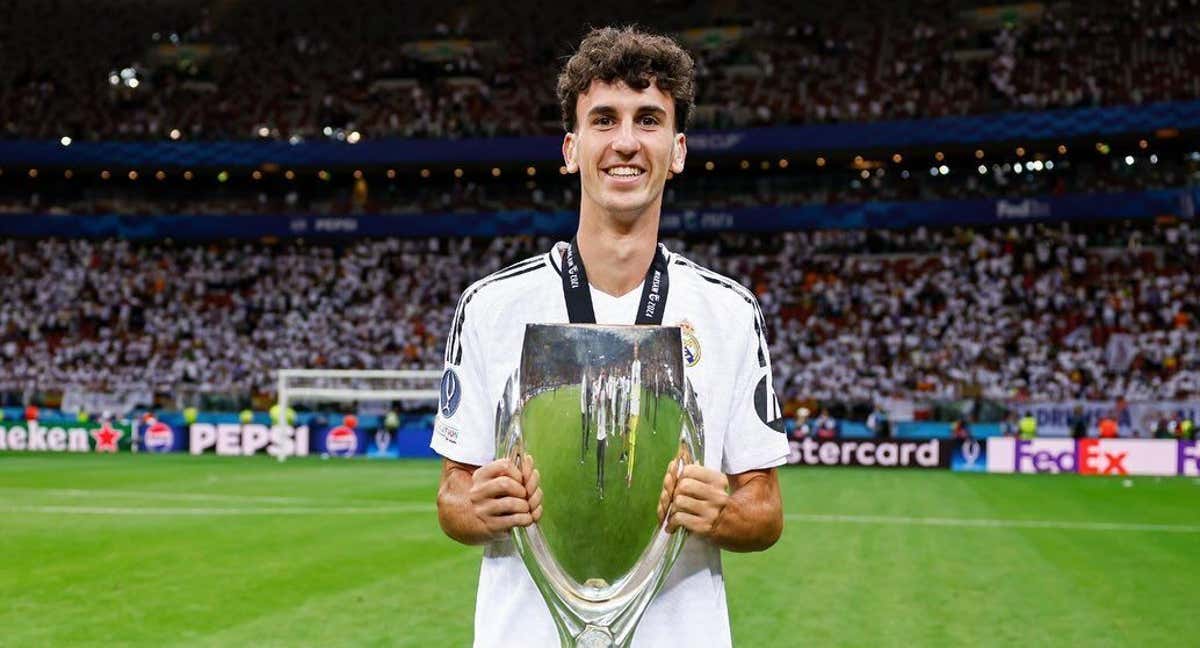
(1028, 313)
(1033, 312)
(308, 69)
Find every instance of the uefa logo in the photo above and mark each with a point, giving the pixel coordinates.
(451, 393)
(341, 441)
(159, 437)
(970, 455)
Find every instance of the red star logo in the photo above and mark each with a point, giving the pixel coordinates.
(106, 438)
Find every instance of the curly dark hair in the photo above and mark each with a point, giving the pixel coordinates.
(636, 57)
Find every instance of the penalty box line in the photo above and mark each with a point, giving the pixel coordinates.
(991, 523)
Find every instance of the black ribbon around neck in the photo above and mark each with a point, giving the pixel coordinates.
(579, 295)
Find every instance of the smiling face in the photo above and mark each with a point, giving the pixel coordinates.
(623, 147)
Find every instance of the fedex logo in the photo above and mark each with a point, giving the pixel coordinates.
(1044, 456)
(1188, 459)
(1096, 460)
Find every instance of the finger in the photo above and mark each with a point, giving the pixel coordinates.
(507, 522)
(533, 481)
(669, 479)
(706, 475)
(691, 505)
(693, 523)
(498, 487)
(498, 468)
(504, 506)
(536, 514)
(535, 500)
(526, 468)
(698, 489)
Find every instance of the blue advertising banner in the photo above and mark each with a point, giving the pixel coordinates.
(339, 441)
(158, 436)
(888, 135)
(1122, 205)
(410, 440)
(969, 455)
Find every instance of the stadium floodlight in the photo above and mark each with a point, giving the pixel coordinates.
(411, 385)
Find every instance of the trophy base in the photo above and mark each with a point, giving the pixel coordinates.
(594, 637)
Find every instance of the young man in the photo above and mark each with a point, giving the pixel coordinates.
(626, 96)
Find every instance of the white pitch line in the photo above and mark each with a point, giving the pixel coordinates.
(993, 523)
(150, 494)
(333, 509)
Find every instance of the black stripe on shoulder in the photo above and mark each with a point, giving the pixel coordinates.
(760, 322)
(458, 313)
(532, 265)
(533, 260)
(557, 267)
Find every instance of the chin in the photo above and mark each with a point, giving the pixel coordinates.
(628, 207)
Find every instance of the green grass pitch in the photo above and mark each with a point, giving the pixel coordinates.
(206, 551)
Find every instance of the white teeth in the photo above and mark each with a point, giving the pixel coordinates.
(624, 171)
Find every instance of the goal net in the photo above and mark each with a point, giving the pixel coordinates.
(409, 387)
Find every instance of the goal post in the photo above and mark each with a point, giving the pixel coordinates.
(411, 385)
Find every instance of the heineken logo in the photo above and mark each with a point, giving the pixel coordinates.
(33, 436)
(106, 438)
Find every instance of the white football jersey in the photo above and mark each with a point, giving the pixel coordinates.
(727, 362)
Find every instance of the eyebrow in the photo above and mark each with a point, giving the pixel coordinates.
(605, 109)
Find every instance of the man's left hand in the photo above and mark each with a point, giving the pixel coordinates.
(700, 497)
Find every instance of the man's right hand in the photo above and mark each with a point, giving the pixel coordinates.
(478, 505)
(499, 498)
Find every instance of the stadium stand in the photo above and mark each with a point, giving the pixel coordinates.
(308, 69)
(1032, 312)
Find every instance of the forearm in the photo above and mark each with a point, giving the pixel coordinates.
(753, 518)
(455, 512)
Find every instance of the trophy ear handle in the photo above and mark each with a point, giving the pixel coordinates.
(507, 434)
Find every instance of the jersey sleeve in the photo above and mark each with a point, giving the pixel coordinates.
(463, 429)
(754, 438)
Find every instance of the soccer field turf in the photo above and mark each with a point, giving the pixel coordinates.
(179, 550)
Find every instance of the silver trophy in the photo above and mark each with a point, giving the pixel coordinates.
(604, 412)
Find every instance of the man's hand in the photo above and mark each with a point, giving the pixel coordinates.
(532, 480)
(699, 498)
(498, 497)
(750, 518)
(478, 505)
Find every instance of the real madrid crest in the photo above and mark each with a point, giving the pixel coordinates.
(691, 345)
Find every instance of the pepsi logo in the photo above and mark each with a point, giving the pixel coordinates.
(341, 441)
(159, 437)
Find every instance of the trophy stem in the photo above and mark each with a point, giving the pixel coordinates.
(593, 637)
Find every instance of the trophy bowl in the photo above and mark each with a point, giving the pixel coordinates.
(603, 412)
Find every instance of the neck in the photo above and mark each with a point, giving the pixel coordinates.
(617, 254)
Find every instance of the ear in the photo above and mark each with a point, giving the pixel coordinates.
(678, 153)
(569, 146)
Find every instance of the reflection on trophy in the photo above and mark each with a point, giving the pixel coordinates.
(603, 412)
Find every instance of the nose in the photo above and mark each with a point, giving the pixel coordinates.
(624, 142)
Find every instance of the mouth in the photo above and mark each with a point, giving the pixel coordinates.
(624, 173)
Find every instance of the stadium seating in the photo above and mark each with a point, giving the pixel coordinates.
(1040, 312)
(312, 69)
